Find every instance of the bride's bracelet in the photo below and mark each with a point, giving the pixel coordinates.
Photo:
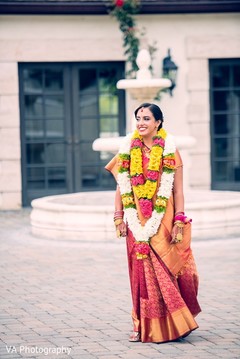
(118, 221)
(118, 214)
(181, 218)
(179, 224)
(176, 213)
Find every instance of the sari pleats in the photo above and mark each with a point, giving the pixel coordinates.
(164, 305)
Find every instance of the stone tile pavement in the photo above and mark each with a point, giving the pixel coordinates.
(63, 299)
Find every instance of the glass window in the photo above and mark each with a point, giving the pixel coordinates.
(88, 128)
(236, 149)
(221, 100)
(32, 80)
(107, 81)
(88, 105)
(55, 153)
(36, 178)
(87, 81)
(34, 129)
(54, 106)
(220, 124)
(226, 124)
(90, 176)
(225, 129)
(221, 76)
(33, 106)
(235, 101)
(56, 177)
(236, 75)
(227, 171)
(108, 127)
(236, 169)
(108, 104)
(55, 129)
(87, 153)
(107, 179)
(222, 147)
(35, 153)
(53, 79)
(221, 171)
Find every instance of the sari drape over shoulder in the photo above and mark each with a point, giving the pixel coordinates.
(164, 286)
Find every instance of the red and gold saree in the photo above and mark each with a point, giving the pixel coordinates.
(164, 286)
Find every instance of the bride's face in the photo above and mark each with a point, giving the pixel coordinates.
(145, 122)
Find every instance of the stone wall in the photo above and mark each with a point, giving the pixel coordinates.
(10, 168)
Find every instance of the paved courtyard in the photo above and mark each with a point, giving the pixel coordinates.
(63, 299)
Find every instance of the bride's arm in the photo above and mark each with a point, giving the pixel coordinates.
(178, 190)
(178, 202)
(120, 228)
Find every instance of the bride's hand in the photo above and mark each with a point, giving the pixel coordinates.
(121, 230)
(177, 234)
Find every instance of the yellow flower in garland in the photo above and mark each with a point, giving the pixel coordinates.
(136, 162)
(156, 153)
(128, 200)
(161, 202)
(146, 188)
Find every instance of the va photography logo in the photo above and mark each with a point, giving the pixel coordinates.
(24, 349)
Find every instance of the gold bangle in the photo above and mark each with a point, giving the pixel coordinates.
(179, 224)
(118, 221)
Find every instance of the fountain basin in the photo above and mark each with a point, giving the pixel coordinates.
(85, 215)
(89, 216)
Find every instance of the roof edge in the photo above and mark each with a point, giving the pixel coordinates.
(32, 7)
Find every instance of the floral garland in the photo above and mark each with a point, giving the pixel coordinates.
(144, 233)
(145, 189)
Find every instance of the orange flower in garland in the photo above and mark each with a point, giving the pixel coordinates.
(169, 162)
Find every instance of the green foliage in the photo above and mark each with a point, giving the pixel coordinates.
(124, 11)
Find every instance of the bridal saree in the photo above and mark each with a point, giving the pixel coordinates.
(164, 285)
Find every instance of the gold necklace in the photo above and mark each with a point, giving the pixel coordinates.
(146, 150)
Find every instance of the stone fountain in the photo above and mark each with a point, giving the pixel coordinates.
(144, 89)
(88, 216)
